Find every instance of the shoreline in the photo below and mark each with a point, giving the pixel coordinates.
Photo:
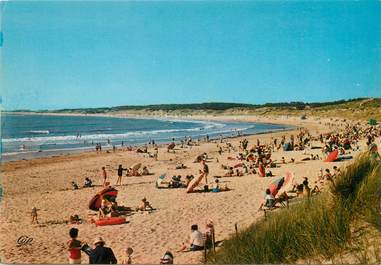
(30, 155)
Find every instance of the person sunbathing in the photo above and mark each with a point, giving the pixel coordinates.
(217, 188)
(181, 166)
(74, 219)
(230, 173)
(144, 206)
(74, 185)
(238, 173)
(133, 173)
(105, 209)
(88, 183)
(145, 171)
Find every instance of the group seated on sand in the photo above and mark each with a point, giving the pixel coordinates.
(110, 208)
(303, 189)
(198, 240)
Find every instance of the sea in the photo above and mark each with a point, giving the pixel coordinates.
(32, 135)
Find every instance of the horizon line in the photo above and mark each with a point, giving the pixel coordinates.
(197, 103)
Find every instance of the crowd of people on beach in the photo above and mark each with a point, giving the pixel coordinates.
(249, 158)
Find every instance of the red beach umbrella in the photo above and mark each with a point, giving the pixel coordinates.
(95, 202)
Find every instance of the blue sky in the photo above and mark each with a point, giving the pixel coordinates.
(94, 54)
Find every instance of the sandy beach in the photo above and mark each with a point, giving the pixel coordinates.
(44, 183)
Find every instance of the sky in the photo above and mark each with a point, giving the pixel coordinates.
(99, 54)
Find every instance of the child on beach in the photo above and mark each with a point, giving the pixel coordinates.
(34, 215)
(104, 175)
(128, 259)
(144, 206)
(74, 247)
(209, 233)
(167, 258)
(74, 185)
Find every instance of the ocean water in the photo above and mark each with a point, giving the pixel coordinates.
(26, 136)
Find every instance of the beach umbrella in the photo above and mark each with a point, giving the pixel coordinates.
(136, 166)
(334, 155)
(275, 185)
(95, 202)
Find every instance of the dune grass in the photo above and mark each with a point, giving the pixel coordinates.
(313, 229)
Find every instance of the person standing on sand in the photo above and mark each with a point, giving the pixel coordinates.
(120, 173)
(156, 153)
(205, 171)
(34, 215)
(104, 175)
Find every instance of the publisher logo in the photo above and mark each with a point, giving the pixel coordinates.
(24, 240)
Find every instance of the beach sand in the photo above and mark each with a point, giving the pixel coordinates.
(45, 183)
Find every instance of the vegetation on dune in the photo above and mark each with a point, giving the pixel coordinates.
(317, 229)
(359, 109)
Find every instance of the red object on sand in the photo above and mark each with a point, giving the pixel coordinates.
(334, 155)
(110, 221)
(276, 185)
(95, 202)
(238, 165)
(231, 158)
(261, 171)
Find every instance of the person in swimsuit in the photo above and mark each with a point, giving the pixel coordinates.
(74, 247)
(104, 174)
